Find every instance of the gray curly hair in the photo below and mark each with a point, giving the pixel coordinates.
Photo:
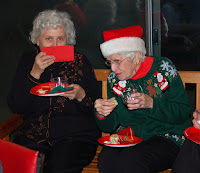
(51, 19)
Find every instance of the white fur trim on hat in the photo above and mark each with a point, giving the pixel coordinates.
(122, 44)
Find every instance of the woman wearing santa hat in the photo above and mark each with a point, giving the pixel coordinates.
(158, 113)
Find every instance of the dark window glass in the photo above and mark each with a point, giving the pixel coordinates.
(182, 44)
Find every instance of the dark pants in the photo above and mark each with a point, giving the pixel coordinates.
(66, 156)
(188, 160)
(151, 156)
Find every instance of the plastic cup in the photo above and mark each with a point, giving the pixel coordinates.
(127, 96)
(62, 81)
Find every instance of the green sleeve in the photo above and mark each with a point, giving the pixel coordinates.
(110, 122)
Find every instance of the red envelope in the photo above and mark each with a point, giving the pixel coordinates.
(61, 53)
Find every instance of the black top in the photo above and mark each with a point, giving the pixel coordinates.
(55, 118)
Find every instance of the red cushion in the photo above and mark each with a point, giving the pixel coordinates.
(17, 159)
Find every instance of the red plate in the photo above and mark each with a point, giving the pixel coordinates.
(106, 139)
(192, 134)
(46, 87)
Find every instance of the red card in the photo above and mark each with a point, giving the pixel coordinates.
(61, 53)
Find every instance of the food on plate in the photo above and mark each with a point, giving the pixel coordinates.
(114, 139)
(114, 101)
(41, 91)
(127, 139)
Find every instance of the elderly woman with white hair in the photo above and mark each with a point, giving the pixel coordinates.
(158, 112)
(62, 127)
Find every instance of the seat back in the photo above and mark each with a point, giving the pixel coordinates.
(17, 159)
(102, 76)
(192, 77)
(188, 77)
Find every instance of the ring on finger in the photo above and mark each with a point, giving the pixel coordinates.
(45, 63)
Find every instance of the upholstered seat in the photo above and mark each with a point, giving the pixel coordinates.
(18, 159)
(7, 127)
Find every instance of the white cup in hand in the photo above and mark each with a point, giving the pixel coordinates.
(127, 96)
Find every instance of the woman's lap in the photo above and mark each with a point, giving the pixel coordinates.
(153, 155)
(68, 156)
(188, 160)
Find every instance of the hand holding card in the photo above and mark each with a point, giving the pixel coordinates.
(61, 53)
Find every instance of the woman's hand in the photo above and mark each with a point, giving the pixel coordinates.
(140, 101)
(196, 115)
(77, 93)
(104, 107)
(42, 61)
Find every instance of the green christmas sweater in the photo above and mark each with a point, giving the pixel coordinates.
(169, 116)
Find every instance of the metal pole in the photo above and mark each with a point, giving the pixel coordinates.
(148, 26)
(156, 28)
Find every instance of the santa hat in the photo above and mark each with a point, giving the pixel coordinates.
(120, 40)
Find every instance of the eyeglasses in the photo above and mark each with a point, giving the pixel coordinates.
(115, 62)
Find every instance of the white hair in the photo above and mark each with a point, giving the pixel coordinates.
(51, 19)
(131, 55)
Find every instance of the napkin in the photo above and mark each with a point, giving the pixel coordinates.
(61, 53)
(60, 89)
(127, 132)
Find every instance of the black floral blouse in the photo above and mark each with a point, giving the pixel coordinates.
(54, 118)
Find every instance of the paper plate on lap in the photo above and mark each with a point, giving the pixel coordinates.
(46, 89)
(106, 141)
(192, 134)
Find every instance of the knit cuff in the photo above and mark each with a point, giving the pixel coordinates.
(34, 80)
(100, 117)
